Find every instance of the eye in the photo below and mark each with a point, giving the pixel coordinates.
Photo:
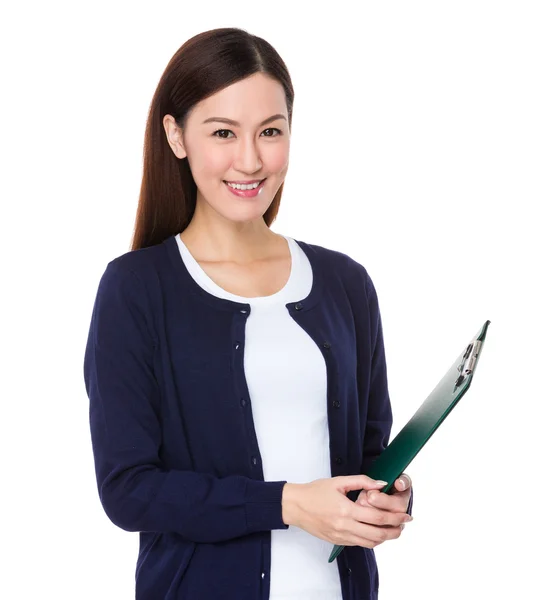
(220, 130)
(214, 134)
(273, 129)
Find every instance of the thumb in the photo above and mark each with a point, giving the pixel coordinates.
(347, 483)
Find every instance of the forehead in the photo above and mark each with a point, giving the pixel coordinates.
(251, 99)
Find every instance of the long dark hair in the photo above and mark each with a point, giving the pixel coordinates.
(204, 65)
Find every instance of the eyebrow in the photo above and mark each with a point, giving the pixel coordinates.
(236, 124)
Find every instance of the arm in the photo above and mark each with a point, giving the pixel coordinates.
(379, 415)
(136, 491)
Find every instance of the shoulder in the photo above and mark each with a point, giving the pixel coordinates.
(126, 288)
(130, 279)
(335, 263)
(141, 264)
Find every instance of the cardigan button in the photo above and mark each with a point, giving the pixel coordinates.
(243, 401)
(348, 572)
(254, 460)
(299, 306)
(338, 460)
(336, 404)
(326, 345)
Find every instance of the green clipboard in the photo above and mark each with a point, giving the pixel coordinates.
(394, 459)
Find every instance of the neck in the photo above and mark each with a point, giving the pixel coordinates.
(235, 242)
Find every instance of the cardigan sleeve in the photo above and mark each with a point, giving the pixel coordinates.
(136, 491)
(379, 415)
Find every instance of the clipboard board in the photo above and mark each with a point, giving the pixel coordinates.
(402, 450)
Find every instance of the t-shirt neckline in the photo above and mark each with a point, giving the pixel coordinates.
(186, 280)
(221, 292)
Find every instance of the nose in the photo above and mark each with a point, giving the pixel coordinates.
(248, 158)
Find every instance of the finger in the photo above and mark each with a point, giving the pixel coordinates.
(392, 502)
(362, 499)
(403, 483)
(376, 534)
(378, 517)
(362, 534)
(347, 483)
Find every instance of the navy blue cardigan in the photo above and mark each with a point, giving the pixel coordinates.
(174, 445)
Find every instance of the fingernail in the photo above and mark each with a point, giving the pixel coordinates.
(402, 483)
(380, 482)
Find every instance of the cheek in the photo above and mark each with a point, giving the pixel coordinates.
(277, 160)
(215, 163)
(210, 161)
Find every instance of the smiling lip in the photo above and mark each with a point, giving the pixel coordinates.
(248, 193)
(244, 182)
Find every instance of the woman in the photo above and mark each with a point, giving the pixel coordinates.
(237, 377)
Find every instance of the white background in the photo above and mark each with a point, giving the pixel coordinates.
(417, 148)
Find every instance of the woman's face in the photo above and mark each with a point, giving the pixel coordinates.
(243, 149)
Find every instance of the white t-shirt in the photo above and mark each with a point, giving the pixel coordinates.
(290, 418)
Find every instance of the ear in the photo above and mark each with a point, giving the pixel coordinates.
(174, 136)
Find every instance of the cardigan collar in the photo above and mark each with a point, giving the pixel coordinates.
(188, 283)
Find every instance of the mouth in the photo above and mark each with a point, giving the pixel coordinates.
(252, 184)
(251, 192)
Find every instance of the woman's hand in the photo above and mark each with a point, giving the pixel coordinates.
(322, 509)
(396, 502)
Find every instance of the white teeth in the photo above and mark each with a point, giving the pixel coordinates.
(243, 186)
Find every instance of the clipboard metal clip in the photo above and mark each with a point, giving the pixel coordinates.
(469, 360)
